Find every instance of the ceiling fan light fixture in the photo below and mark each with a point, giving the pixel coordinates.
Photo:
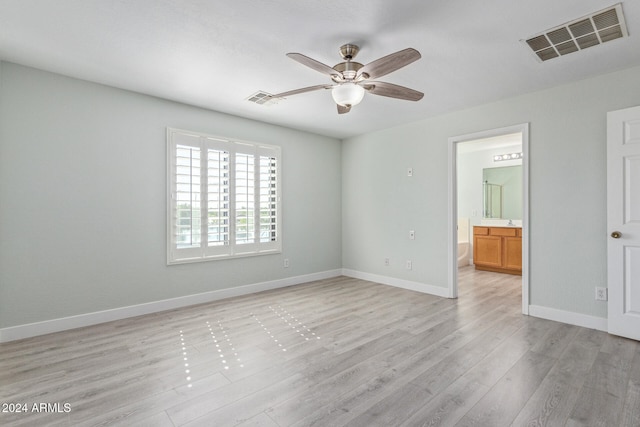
(347, 94)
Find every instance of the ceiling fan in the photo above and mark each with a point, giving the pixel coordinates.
(351, 79)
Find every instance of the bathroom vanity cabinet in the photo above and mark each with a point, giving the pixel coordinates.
(498, 249)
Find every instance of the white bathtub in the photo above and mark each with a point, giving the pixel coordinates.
(463, 254)
(463, 241)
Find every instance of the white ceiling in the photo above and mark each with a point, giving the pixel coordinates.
(216, 53)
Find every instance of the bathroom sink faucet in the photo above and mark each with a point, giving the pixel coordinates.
(510, 223)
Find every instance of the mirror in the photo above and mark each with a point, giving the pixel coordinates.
(502, 192)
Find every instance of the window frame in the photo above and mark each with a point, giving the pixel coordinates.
(201, 250)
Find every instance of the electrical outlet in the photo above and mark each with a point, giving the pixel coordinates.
(286, 263)
(386, 262)
(412, 235)
(601, 294)
(408, 264)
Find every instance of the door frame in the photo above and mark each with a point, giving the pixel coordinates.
(523, 129)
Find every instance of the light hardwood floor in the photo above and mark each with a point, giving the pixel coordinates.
(329, 353)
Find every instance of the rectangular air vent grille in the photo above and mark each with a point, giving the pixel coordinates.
(263, 98)
(585, 32)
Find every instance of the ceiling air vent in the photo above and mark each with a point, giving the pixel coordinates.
(263, 98)
(592, 30)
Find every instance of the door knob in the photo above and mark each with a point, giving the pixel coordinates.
(616, 234)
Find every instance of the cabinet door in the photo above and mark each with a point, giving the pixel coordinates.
(487, 251)
(513, 253)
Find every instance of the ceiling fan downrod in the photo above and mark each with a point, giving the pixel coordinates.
(348, 69)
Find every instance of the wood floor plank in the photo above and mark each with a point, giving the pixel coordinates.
(204, 404)
(141, 419)
(247, 407)
(506, 398)
(631, 410)
(554, 400)
(260, 420)
(504, 356)
(449, 406)
(595, 408)
(610, 373)
(556, 341)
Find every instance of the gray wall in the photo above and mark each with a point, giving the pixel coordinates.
(83, 205)
(567, 190)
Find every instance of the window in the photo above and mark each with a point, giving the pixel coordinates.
(223, 198)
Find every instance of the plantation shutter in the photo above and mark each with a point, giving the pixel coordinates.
(223, 198)
(185, 233)
(268, 213)
(218, 210)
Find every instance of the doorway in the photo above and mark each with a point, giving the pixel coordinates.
(522, 131)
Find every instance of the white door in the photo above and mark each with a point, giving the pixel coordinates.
(623, 221)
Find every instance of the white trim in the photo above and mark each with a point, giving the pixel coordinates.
(452, 291)
(452, 223)
(398, 283)
(571, 318)
(88, 319)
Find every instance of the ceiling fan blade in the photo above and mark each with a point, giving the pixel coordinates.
(387, 64)
(393, 91)
(313, 64)
(343, 110)
(301, 90)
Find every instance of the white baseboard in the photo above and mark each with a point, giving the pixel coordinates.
(569, 317)
(88, 319)
(398, 283)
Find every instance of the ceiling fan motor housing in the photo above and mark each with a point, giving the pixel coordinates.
(348, 69)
